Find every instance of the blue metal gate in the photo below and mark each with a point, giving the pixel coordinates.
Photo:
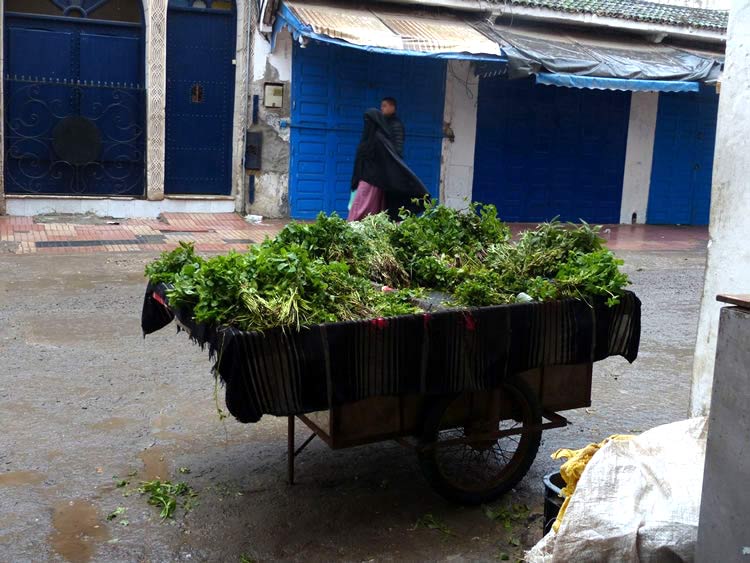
(545, 152)
(200, 97)
(74, 104)
(680, 190)
(331, 89)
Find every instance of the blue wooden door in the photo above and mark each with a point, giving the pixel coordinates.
(200, 98)
(681, 172)
(545, 152)
(331, 89)
(74, 102)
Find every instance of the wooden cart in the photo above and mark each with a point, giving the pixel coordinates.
(472, 446)
(475, 431)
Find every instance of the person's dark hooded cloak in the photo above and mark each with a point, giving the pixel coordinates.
(378, 163)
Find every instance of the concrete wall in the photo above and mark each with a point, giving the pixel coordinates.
(460, 127)
(723, 533)
(272, 182)
(638, 156)
(728, 264)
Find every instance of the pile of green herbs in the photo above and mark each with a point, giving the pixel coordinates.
(330, 270)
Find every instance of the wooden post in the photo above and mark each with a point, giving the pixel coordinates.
(290, 449)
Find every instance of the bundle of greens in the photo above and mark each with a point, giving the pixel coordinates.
(331, 270)
(435, 245)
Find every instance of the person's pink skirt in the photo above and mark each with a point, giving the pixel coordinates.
(369, 200)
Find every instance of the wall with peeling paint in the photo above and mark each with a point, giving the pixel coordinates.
(272, 181)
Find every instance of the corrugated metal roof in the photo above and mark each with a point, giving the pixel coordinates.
(433, 34)
(634, 10)
(392, 29)
(349, 24)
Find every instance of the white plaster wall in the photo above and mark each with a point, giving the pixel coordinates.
(639, 156)
(728, 264)
(280, 58)
(119, 207)
(460, 117)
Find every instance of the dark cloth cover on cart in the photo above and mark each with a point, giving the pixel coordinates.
(285, 372)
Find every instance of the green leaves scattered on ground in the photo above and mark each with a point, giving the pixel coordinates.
(331, 270)
(116, 512)
(165, 496)
(430, 522)
(507, 515)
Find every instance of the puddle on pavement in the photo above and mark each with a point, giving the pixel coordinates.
(114, 423)
(20, 478)
(155, 464)
(78, 528)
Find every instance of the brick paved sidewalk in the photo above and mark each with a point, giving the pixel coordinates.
(220, 232)
(211, 232)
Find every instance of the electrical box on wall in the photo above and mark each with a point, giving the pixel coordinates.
(273, 95)
(253, 146)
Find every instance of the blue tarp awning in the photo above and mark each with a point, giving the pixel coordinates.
(385, 31)
(626, 84)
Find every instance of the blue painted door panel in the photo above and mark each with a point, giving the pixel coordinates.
(331, 89)
(680, 190)
(543, 152)
(109, 58)
(62, 68)
(52, 48)
(200, 50)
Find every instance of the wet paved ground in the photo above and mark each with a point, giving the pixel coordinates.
(84, 398)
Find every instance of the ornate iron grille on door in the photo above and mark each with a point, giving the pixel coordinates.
(66, 137)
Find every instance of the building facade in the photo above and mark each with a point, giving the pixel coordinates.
(123, 107)
(135, 107)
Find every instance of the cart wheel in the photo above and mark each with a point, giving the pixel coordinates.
(477, 471)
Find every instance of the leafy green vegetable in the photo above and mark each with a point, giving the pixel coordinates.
(164, 495)
(431, 244)
(595, 273)
(171, 263)
(330, 270)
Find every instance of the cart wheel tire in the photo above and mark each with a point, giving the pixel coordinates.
(452, 470)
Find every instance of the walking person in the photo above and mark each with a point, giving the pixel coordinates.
(381, 180)
(389, 106)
